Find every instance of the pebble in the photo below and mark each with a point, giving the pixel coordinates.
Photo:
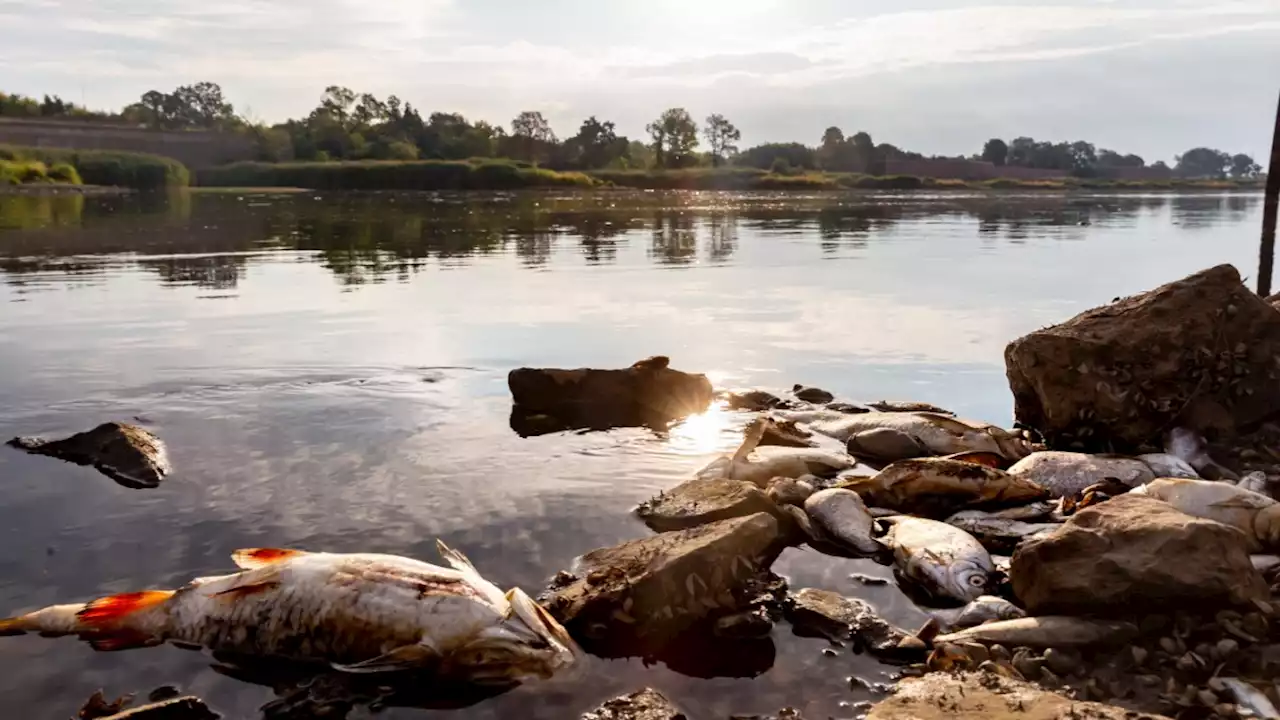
(1255, 624)
(828, 652)
(1169, 645)
(1001, 654)
(1149, 680)
(1026, 664)
(1187, 663)
(1061, 663)
(1207, 698)
(1139, 655)
(1224, 710)
(1204, 650)
(978, 653)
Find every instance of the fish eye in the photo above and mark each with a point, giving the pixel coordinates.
(977, 581)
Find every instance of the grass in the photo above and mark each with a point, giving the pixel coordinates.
(391, 175)
(103, 167)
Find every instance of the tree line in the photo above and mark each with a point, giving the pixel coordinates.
(347, 125)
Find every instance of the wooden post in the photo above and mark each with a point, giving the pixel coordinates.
(1267, 253)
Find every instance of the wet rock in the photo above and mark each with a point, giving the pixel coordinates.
(748, 625)
(753, 400)
(1130, 552)
(180, 708)
(907, 406)
(647, 393)
(636, 597)
(847, 408)
(785, 433)
(97, 706)
(818, 396)
(839, 618)
(699, 502)
(1061, 662)
(987, 696)
(1115, 377)
(125, 453)
(647, 704)
(1065, 474)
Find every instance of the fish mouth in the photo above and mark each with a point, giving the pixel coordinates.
(542, 625)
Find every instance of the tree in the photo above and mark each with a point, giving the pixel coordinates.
(765, 157)
(835, 153)
(532, 133)
(1243, 166)
(1202, 162)
(675, 135)
(721, 136)
(596, 145)
(996, 152)
(337, 102)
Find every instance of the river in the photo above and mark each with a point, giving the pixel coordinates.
(329, 372)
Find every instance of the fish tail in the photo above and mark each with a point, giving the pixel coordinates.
(116, 622)
(53, 621)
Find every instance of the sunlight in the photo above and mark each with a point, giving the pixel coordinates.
(706, 432)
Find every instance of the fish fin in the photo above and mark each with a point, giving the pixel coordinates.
(14, 626)
(113, 608)
(455, 558)
(248, 589)
(253, 558)
(121, 640)
(405, 657)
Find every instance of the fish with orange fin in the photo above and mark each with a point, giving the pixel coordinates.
(362, 613)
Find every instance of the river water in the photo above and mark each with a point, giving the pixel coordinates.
(329, 371)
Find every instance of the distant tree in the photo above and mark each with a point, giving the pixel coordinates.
(764, 157)
(639, 155)
(721, 137)
(1202, 162)
(1111, 158)
(836, 154)
(337, 102)
(1243, 166)
(369, 112)
(996, 152)
(1159, 165)
(675, 135)
(532, 134)
(596, 145)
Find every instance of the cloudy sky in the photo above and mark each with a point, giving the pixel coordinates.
(938, 76)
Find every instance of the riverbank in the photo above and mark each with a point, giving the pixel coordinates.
(498, 175)
(138, 171)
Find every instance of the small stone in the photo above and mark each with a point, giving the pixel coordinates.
(1265, 607)
(1226, 648)
(1049, 679)
(1207, 698)
(1026, 664)
(1149, 680)
(1187, 663)
(1060, 662)
(162, 693)
(1000, 654)
(1139, 655)
(978, 653)
(1169, 645)
(1217, 685)
(829, 652)
(911, 645)
(1224, 710)
(1255, 624)
(1204, 650)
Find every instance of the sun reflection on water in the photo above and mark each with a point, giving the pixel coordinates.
(707, 432)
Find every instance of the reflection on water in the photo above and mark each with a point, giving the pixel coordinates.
(329, 373)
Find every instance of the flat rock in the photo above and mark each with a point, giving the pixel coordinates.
(647, 393)
(647, 704)
(839, 618)
(1200, 353)
(636, 597)
(983, 696)
(1130, 553)
(125, 453)
(188, 707)
(702, 501)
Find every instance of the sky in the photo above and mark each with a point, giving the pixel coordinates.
(1154, 77)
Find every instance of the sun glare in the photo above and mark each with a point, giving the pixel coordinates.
(703, 433)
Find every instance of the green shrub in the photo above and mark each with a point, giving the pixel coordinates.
(107, 167)
(391, 175)
(780, 166)
(65, 173)
(22, 172)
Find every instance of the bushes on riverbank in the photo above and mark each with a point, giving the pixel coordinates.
(104, 167)
(30, 172)
(391, 175)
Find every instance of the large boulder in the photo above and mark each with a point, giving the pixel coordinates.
(1200, 352)
(701, 501)
(647, 704)
(1134, 554)
(635, 598)
(984, 696)
(125, 453)
(647, 393)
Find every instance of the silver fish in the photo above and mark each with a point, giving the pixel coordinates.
(938, 434)
(1250, 698)
(1043, 632)
(925, 485)
(788, 491)
(1254, 514)
(1265, 563)
(841, 517)
(1168, 465)
(1065, 474)
(772, 462)
(985, 609)
(981, 524)
(362, 613)
(944, 560)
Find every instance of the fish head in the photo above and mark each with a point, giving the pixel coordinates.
(527, 644)
(967, 580)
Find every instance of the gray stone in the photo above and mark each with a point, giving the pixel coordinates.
(698, 502)
(839, 618)
(647, 704)
(128, 454)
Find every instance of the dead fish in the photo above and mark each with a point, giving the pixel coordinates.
(1191, 447)
(1255, 481)
(885, 444)
(944, 560)
(1166, 465)
(987, 608)
(789, 491)
(840, 517)
(125, 453)
(1065, 474)
(1030, 511)
(1254, 514)
(1250, 698)
(1265, 563)
(983, 525)
(932, 486)
(772, 462)
(989, 459)
(1045, 632)
(362, 613)
(938, 434)
(907, 406)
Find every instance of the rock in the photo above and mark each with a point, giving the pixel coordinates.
(818, 396)
(1061, 662)
(747, 625)
(180, 708)
(97, 706)
(125, 453)
(847, 408)
(753, 400)
(699, 502)
(647, 704)
(1134, 553)
(839, 618)
(636, 597)
(785, 433)
(987, 696)
(1115, 377)
(647, 393)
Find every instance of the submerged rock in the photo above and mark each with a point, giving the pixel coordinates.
(1134, 553)
(647, 393)
(636, 597)
(840, 619)
(647, 704)
(702, 501)
(125, 453)
(1199, 352)
(988, 696)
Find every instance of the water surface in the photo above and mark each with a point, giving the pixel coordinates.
(329, 373)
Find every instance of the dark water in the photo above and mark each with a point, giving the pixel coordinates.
(329, 373)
